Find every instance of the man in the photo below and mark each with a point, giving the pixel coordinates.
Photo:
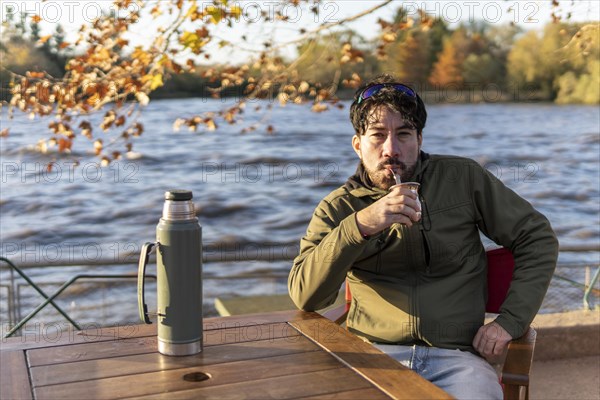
(416, 266)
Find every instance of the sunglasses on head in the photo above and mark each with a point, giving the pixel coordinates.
(372, 90)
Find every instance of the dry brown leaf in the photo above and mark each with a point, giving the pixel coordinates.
(64, 144)
(138, 129)
(210, 124)
(35, 75)
(319, 107)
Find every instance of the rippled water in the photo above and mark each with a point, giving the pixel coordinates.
(262, 188)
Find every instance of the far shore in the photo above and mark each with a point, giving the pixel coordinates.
(471, 96)
(489, 95)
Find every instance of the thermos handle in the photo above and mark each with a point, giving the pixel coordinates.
(142, 307)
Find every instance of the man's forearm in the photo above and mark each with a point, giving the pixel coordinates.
(321, 267)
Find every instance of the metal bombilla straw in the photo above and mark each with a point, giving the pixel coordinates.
(397, 177)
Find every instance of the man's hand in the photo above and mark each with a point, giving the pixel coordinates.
(398, 206)
(491, 341)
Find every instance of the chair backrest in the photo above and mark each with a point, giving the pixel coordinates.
(501, 265)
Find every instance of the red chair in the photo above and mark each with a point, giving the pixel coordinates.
(517, 365)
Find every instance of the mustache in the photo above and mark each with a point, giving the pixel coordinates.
(391, 162)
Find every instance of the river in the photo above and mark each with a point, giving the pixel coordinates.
(261, 187)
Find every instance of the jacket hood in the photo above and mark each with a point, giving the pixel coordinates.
(360, 183)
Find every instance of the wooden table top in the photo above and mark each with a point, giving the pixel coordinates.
(277, 355)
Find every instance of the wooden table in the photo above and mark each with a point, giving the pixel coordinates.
(288, 354)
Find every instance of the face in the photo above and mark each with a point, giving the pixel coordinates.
(389, 144)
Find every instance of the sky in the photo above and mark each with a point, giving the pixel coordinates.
(528, 14)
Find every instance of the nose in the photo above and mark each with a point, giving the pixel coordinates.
(391, 146)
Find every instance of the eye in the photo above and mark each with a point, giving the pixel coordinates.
(378, 135)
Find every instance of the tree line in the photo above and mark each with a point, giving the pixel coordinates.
(559, 63)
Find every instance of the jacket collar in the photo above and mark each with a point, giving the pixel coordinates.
(360, 184)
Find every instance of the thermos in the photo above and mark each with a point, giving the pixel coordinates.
(178, 277)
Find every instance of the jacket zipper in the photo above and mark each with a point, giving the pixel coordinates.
(414, 295)
(426, 250)
(427, 257)
(380, 242)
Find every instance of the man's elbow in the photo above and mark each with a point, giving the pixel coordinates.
(305, 299)
(301, 301)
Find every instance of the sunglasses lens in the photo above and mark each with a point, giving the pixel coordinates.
(405, 90)
(373, 90)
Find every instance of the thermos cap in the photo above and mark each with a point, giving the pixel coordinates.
(178, 195)
(178, 205)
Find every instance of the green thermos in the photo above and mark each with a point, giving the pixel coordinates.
(178, 277)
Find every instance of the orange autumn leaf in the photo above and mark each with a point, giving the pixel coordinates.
(45, 38)
(94, 99)
(64, 144)
(36, 19)
(155, 81)
(138, 129)
(98, 146)
(210, 124)
(156, 12)
(319, 107)
(35, 75)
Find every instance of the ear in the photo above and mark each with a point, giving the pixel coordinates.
(356, 145)
(420, 139)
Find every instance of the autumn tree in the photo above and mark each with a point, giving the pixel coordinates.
(581, 82)
(437, 33)
(412, 50)
(409, 59)
(540, 60)
(319, 60)
(485, 61)
(448, 68)
(522, 60)
(20, 55)
(482, 69)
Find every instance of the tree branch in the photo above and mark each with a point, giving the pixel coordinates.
(333, 24)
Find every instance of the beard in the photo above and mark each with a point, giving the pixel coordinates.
(382, 178)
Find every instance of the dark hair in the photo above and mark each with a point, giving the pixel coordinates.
(411, 108)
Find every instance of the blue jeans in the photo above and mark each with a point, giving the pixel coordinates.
(460, 373)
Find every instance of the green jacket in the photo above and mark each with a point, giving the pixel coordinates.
(426, 284)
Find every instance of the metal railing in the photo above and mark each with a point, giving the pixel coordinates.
(588, 288)
(50, 299)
